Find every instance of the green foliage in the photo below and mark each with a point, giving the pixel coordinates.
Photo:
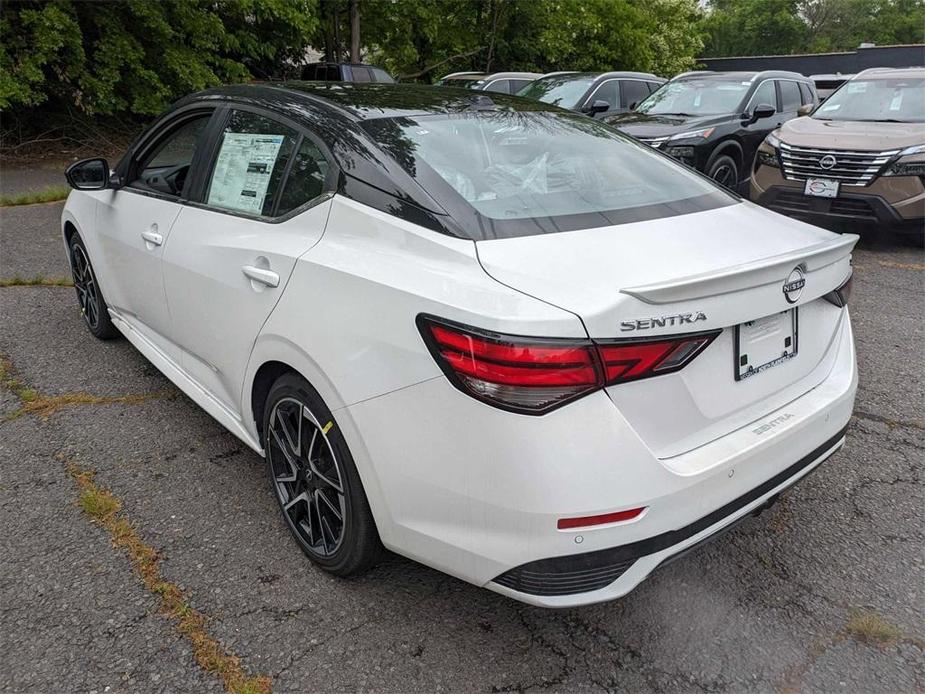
(769, 27)
(135, 56)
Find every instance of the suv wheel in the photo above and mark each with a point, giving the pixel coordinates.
(92, 304)
(315, 480)
(724, 171)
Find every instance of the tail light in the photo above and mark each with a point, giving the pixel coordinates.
(535, 375)
(840, 296)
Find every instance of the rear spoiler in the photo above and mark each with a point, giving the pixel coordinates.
(745, 276)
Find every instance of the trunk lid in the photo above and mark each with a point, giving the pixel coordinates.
(702, 271)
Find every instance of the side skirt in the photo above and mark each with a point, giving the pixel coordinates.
(191, 388)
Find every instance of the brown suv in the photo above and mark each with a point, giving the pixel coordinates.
(860, 156)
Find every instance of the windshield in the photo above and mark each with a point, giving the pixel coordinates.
(696, 97)
(563, 90)
(879, 100)
(543, 167)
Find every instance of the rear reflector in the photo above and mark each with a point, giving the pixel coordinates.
(840, 296)
(535, 375)
(603, 519)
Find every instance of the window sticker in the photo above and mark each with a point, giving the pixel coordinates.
(897, 102)
(242, 171)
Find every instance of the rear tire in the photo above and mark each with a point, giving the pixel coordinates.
(315, 480)
(89, 296)
(724, 171)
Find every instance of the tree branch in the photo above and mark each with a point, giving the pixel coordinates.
(429, 68)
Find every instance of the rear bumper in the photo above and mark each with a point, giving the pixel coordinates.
(477, 492)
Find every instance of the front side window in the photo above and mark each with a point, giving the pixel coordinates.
(887, 100)
(252, 157)
(166, 168)
(765, 95)
(696, 97)
(552, 170)
(562, 90)
(608, 91)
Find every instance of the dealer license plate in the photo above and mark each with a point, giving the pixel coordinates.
(821, 188)
(764, 343)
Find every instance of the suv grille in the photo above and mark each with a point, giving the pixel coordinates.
(850, 167)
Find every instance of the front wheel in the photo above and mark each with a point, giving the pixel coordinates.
(92, 304)
(315, 480)
(724, 171)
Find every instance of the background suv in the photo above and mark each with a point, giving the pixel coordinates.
(860, 157)
(504, 82)
(714, 121)
(595, 94)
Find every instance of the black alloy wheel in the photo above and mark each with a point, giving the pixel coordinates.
(724, 171)
(315, 480)
(92, 305)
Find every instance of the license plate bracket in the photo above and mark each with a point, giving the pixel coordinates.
(821, 187)
(765, 343)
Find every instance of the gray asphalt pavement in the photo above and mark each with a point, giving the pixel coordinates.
(823, 592)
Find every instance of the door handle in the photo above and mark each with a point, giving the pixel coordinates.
(152, 237)
(259, 274)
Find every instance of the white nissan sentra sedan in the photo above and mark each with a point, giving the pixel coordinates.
(491, 335)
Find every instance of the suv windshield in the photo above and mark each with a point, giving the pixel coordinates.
(879, 100)
(696, 97)
(562, 90)
(520, 173)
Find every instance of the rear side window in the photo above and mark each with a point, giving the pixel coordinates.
(252, 157)
(633, 92)
(306, 178)
(381, 76)
(517, 85)
(789, 96)
(360, 74)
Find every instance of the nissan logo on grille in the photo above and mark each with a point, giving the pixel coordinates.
(793, 285)
(828, 161)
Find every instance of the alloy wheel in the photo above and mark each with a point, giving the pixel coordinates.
(85, 284)
(307, 477)
(723, 175)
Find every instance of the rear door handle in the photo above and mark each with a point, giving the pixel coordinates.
(152, 237)
(259, 274)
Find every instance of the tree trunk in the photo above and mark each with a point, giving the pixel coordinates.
(354, 31)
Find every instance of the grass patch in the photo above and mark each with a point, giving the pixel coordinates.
(37, 281)
(104, 509)
(873, 630)
(50, 194)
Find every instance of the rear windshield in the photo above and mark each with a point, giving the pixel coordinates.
(877, 100)
(564, 91)
(510, 173)
(696, 97)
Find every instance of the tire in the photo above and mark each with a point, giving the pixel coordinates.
(89, 296)
(315, 480)
(724, 171)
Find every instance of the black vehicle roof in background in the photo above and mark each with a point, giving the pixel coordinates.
(362, 101)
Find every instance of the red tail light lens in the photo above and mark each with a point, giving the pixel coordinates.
(535, 375)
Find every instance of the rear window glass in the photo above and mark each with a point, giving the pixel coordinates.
(509, 166)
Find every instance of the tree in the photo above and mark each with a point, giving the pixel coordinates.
(137, 56)
(753, 27)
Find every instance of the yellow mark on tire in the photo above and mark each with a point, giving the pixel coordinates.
(327, 428)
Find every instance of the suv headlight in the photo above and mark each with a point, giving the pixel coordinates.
(693, 135)
(911, 168)
(772, 140)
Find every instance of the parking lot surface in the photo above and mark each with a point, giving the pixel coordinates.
(823, 592)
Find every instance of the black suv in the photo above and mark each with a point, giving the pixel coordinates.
(345, 72)
(592, 93)
(714, 121)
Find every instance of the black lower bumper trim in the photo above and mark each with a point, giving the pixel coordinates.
(580, 573)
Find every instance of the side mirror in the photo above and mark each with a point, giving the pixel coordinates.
(763, 111)
(805, 110)
(634, 105)
(599, 106)
(88, 174)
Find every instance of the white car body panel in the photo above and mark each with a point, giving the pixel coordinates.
(334, 292)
